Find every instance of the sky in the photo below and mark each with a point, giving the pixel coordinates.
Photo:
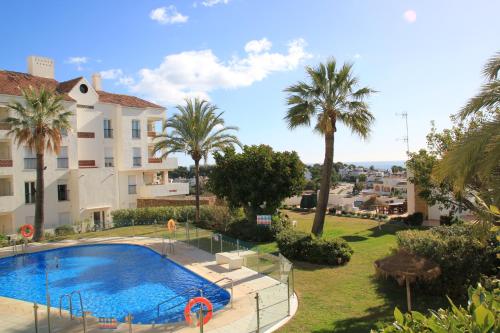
(423, 57)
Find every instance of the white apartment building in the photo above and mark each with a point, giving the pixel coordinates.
(105, 162)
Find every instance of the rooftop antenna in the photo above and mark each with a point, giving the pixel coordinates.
(404, 115)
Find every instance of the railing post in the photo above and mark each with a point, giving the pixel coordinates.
(133, 228)
(129, 321)
(220, 236)
(35, 310)
(258, 312)
(201, 318)
(238, 246)
(47, 295)
(197, 238)
(288, 292)
(211, 240)
(258, 260)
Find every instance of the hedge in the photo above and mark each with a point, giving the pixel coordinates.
(305, 247)
(460, 254)
(211, 217)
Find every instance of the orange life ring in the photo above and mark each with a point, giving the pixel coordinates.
(171, 225)
(198, 300)
(27, 230)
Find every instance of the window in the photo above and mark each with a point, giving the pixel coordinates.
(108, 157)
(108, 131)
(136, 129)
(83, 88)
(136, 159)
(29, 159)
(132, 185)
(62, 158)
(62, 192)
(29, 192)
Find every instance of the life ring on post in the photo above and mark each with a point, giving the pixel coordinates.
(198, 300)
(171, 225)
(27, 230)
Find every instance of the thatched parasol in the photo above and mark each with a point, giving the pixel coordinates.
(406, 267)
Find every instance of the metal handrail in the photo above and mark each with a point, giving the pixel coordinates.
(70, 298)
(174, 297)
(232, 286)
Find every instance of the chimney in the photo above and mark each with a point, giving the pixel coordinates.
(96, 81)
(40, 66)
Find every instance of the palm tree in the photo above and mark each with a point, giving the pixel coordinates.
(330, 96)
(37, 125)
(476, 156)
(198, 130)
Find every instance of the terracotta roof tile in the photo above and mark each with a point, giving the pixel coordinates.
(11, 83)
(125, 100)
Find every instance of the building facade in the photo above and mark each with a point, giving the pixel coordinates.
(106, 161)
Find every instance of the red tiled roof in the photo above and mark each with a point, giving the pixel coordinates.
(125, 100)
(11, 83)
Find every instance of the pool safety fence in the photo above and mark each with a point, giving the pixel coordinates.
(272, 304)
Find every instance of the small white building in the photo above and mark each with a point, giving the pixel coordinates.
(105, 162)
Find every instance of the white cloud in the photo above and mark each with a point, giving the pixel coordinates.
(111, 74)
(78, 61)
(357, 56)
(167, 15)
(117, 75)
(410, 16)
(210, 3)
(197, 73)
(257, 46)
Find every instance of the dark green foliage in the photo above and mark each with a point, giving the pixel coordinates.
(308, 200)
(64, 230)
(305, 247)
(252, 232)
(415, 219)
(458, 251)
(257, 179)
(211, 217)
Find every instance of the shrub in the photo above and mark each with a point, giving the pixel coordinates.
(482, 314)
(64, 230)
(308, 200)
(252, 232)
(460, 254)
(415, 219)
(211, 217)
(301, 246)
(332, 210)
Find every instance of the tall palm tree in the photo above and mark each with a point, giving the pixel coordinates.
(37, 125)
(331, 97)
(197, 130)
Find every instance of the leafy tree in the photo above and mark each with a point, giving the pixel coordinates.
(197, 130)
(180, 172)
(372, 168)
(330, 97)
(257, 179)
(362, 178)
(37, 124)
(397, 168)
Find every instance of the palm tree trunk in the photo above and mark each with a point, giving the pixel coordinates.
(324, 190)
(39, 198)
(197, 179)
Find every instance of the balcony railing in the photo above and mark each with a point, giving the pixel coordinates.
(62, 163)
(108, 133)
(152, 134)
(154, 160)
(109, 162)
(136, 161)
(5, 163)
(4, 125)
(30, 163)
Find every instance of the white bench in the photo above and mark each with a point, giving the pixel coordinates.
(233, 259)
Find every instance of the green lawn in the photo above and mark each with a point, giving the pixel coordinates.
(348, 298)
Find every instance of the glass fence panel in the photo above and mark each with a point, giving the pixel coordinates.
(273, 304)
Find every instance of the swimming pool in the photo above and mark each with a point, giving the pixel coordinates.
(114, 280)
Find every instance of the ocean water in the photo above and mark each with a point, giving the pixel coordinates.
(380, 165)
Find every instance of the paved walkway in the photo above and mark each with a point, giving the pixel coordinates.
(18, 316)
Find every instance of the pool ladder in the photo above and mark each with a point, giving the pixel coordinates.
(232, 287)
(174, 297)
(70, 300)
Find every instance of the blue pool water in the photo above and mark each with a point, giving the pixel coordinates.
(114, 280)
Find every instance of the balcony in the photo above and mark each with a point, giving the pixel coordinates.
(86, 164)
(5, 163)
(7, 203)
(154, 160)
(163, 190)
